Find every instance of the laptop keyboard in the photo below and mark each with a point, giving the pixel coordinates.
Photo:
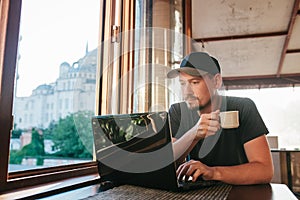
(189, 184)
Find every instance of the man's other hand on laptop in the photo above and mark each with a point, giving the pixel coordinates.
(194, 169)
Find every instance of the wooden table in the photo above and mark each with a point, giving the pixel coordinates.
(256, 192)
(261, 192)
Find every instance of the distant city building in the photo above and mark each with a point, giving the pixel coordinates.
(73, 91)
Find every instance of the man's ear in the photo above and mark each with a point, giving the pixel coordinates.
(218, 81)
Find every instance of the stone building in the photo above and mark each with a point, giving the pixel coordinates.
(73, 91)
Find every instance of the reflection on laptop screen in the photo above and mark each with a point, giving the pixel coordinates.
(134, 143)
(115, 129)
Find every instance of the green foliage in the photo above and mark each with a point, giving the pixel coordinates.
(34, 149)
(72, 136)
(48, 132)
(15, 157)
(16, 133)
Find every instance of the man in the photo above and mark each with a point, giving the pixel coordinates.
(235, 156)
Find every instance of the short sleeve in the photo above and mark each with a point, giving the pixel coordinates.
(251, 122)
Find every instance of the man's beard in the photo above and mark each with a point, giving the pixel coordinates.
(197, 107)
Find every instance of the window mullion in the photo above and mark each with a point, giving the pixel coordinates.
(10, 21)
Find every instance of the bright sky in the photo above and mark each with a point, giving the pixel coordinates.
(53, 32)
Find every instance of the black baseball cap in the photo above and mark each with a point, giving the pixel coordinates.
(197, 64)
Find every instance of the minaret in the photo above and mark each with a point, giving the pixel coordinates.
(87, 48)
(17, 68)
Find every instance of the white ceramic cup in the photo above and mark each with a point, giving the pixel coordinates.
(229, 119)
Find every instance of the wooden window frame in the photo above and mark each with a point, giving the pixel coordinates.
(10, 11)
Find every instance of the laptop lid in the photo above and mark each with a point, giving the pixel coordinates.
(135, 149)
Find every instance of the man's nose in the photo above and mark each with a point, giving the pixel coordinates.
(187, 89)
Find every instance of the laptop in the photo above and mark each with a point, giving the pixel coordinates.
(137, 149)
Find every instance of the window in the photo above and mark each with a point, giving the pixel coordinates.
(51, 38)
(279, 107)
(140, 83)
(145, 52)
(28, 46)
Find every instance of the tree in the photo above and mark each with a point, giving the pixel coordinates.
(34, 149)
(73, 139)
(15, 157)
(16, 133)
(48, 131)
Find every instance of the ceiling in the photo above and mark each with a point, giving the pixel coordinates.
(256, 42)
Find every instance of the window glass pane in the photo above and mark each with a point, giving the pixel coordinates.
(55, 83)
(135, 63)
(280, 109)
(158, 46)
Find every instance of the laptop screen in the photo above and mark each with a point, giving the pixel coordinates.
(132, 148)
(119, 128)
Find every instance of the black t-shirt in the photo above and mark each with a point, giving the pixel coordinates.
(226, 147)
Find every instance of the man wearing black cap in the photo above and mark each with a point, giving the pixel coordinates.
(239, 155)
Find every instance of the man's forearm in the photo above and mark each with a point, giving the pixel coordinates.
(249, 173)
(184, 145)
